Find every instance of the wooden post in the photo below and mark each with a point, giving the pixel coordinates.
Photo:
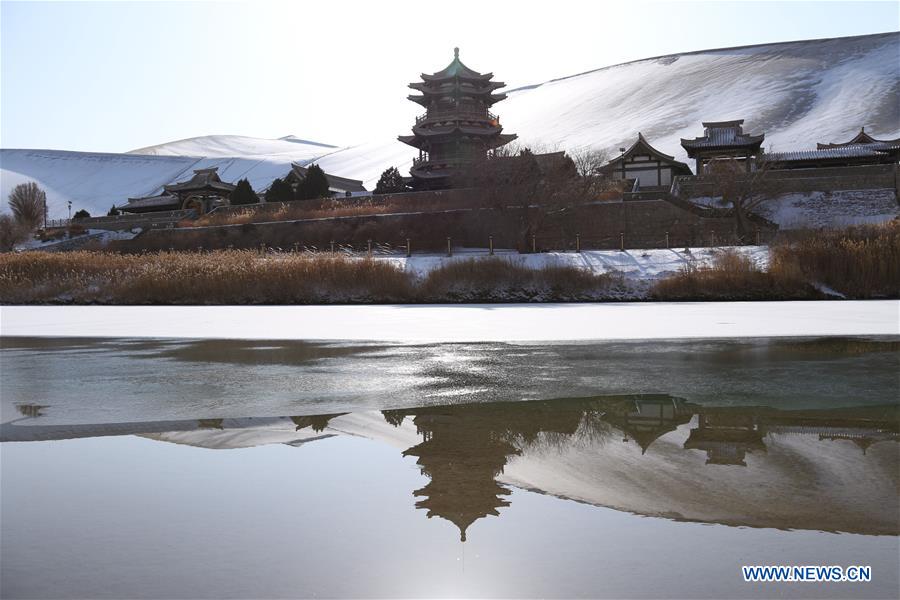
(369, 248)
(408, 249)
(712, 238)
(491, 244)
(449, 248)
(757, 236)
(621, 241)
(296, 246)
(533, 243)
(262, 248)
(332, 246)
(667, 239)
(577, 242)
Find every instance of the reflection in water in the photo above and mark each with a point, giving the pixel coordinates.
(651, 454)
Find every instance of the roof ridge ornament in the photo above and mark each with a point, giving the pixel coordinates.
(456, 53)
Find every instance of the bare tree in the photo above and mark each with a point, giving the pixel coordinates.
(28, 203)
(11, 233)
(588, 161)
(741, 190)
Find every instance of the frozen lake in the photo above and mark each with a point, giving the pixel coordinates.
(207, 468)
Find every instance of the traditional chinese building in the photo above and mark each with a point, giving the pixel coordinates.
(457, 127)
(646, 164)
(202, 192)
(861, 150)
(337, 186)
(724, 139)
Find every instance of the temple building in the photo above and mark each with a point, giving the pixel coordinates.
(861, 150)
(644, 163)
(726, 437)
(724, 139)
(337, 186)
(202, 192)
(457, 127)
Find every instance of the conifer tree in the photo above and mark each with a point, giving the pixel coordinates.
(390, 182)
(81, 214)
(243, 194)
(314, 184)
(279, 191)
(113, 212)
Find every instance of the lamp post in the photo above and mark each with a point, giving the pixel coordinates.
(69, 203)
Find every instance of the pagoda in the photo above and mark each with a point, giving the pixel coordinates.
(457, 127)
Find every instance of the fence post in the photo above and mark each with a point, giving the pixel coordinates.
(332, 246)
(577, 242)
(262, 248)
(369, 248)
(408, 249)
(491, 244)
(533, 243)
(757, 236)
(667, 239)
(712, 238)
(621, 241)
(449, 248)
(296, 246)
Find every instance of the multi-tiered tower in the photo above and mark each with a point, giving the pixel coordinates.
(457, 127)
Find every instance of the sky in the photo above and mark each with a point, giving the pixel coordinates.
(115, 76)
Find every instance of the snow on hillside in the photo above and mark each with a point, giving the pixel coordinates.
(239, 145)
(798, 93)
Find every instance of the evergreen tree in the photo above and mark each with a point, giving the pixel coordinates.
(279, 191)
(81, 214)
(390, 182)
(314, 184)
(243, 194)
(113, 212)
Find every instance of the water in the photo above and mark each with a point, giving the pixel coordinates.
(173, 469)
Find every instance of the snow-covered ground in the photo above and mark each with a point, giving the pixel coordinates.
(634, 265)
(801, 210)
(99, 235)
(462, 323)
(797, 93)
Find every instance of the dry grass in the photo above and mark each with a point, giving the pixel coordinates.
(503, 280)
(733, 276)
(245, 277)
(858, 262)
(224, 277)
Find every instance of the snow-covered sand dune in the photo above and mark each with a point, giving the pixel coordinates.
(798, 93)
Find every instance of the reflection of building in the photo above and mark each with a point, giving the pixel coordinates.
(723, 139)
(464, 449)
(726, 437)
(457, 127)
(646, 418)
(317, 422)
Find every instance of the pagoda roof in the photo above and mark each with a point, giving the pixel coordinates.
(456, 68)
(445, 87)
(203, 179)
(860, 138)
(723, 134)
(151, 202)
(642, 147)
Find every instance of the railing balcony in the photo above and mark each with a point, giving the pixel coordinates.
(454, 115)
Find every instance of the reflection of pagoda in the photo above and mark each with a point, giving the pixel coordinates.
(465, 448)
(726, 437)
(457, 128)
(646, 418)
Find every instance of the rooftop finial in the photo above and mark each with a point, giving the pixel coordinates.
(456, 53)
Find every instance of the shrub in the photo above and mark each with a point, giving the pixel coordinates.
(81, 214)
(733, 276)
(11, 233)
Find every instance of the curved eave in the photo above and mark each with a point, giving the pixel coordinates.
(698, 145)
(453, 129)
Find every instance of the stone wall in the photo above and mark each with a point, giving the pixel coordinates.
(603, 225)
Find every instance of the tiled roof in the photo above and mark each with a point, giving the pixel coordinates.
(334, 182)
(202, 179)
(838, 152)
(149, 201)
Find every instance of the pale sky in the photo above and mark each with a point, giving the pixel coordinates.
(114, 76)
